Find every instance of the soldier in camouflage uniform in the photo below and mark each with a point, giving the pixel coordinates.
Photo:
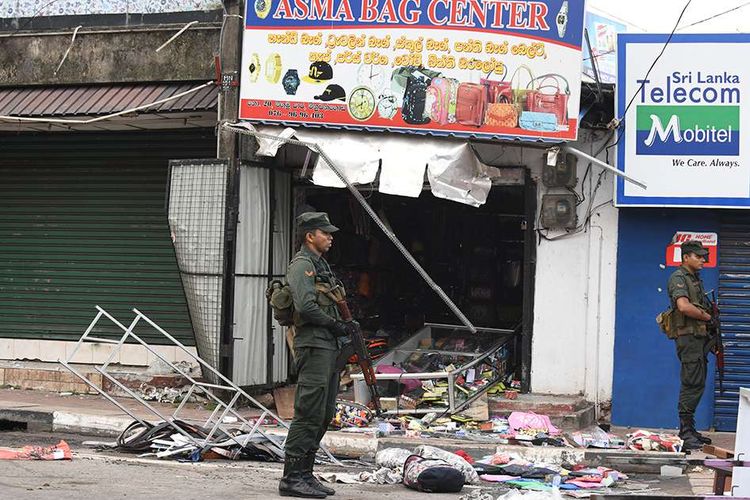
(689, 320)
(317, 326)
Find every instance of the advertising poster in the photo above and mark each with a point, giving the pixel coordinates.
(682, 135)
(710, 242)
(603, 35)
(491, 68)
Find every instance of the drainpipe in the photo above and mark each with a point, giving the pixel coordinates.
(598, 332)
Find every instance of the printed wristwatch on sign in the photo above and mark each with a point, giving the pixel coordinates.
(273, 68)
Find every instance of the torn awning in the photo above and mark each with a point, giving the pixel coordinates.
(453, 170)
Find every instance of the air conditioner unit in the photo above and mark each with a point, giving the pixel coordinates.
(563, 173)
(559, 211)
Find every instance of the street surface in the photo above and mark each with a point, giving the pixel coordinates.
(93, 475)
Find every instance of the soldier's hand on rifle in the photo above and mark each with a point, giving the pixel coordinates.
(339, 329)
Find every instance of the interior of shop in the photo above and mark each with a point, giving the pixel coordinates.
(474, 254)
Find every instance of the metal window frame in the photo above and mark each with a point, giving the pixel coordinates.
(222, 409)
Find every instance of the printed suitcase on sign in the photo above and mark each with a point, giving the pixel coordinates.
(441, 100)
(471, 100)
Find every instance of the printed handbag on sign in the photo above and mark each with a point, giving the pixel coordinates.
(519, 92)
(441, 100)
(500, 114)
(542, 100)
(497, 90)
(415, 97)
(538, 122)
(470, 104)
(401, 75)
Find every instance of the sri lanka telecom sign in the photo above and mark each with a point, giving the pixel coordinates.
(683, 131)
(483, 68)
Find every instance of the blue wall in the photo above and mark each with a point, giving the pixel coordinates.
(646, 370)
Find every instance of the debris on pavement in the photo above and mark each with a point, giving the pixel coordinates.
(596, 437)
(161, 441)
(60, 451)
(432, 475)
(651, 441)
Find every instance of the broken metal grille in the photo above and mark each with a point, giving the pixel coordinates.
(196, 211)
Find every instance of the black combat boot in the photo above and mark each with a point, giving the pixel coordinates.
(703, 439)
(688, 434)
(293, 484)
(307, 473)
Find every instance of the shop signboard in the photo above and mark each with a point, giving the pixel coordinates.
(682, 135)
(709, 240)
(481, 68)
(602, 32)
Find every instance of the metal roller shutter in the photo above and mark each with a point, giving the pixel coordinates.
(83, 222)
(734, 301)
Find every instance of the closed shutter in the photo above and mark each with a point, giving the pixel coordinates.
(734, 301)
(83, 222)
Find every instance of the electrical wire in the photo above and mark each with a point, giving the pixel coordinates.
(714, 16)
(34, 16)
(619, 121)
(666, 44)
(583, 226)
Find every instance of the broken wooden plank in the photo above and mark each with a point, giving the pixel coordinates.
(718, 452)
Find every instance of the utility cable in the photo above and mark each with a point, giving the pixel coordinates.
(714, 16)
(643, 81)
(617, 122)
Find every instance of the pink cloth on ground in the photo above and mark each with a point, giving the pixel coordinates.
(497, 478)
(520, 420)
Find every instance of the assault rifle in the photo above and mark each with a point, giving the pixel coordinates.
(356, 346)
(716, 344)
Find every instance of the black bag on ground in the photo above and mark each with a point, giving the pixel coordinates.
(432, 475)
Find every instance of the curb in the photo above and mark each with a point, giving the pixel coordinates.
(366, 445)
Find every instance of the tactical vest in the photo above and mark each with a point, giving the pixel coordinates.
(280, 296)
(684, 325)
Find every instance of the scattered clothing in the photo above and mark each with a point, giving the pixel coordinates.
(60, 451)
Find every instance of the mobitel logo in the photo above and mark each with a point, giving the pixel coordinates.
(688, 130)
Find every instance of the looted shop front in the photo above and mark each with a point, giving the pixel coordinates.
(332, 96)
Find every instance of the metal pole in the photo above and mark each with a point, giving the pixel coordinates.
(605, 166)
(361, 200)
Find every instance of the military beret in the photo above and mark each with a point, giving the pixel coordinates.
(310, 221)
(695, 247)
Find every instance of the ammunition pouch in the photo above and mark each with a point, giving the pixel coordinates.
(665, 320)
(279, 297)
(683, 325)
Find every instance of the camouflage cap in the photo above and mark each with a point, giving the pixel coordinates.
(695, 247)
(315, 220)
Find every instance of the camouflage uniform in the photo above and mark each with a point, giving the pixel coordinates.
(317, 324)
(692, 340)
(692, 343)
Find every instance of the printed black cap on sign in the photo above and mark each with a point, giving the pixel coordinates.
(319, 71)
(331, 93)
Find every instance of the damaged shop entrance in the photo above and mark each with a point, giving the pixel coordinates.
(480, 257)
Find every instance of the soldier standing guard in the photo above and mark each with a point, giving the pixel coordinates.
(317, 325)
(690, 334)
